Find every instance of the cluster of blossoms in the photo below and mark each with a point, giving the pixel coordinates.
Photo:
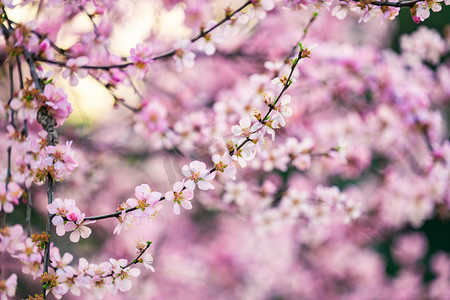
(420, 10)
(112, 276)
(41, 160)
(68, 218)
(53, 100)
(351, 127)
(239, 151)
(57, 161)
(9, 195)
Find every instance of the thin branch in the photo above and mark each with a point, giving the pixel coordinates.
(48, 228)
(118, 100)
(136, 260)
(409, 3)
(25, 133)
(63, 64)
(28, 212)
(305, 33)
(54, 46)
(427, 140)
(19, 69)
(205, 32)
(168, 54)
(285, 86)
(114, 214)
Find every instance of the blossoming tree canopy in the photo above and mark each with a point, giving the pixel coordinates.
(266, 149)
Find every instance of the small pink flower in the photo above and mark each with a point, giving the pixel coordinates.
(141, 58)
(124, 219)
(180, 196)
(260, 8)
(151, 118)
(147, 260)
(183, 57)
(78, 227)
(245, 128)
(59, 262)
(146, 201)
(63, 160)
(8, 287)
(122, 275)
(282, 106)
(340, 11)
(198, 174)
(207, 43)
(74, 68)
(283, 81)
(57, 103)
(11, 239)
(225, 165)
(6, 201)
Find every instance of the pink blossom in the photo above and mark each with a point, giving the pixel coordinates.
(9, 197)
(283, 81)
(197, 174)
(141, 58)
(183, 57)
(100, 282)
(341, 10)
(422, 11)
(67, 281)
(74, 69)
(369, 13)
(245, 128)
(151, 118)
(11, 239)
(67, 217)
(59, 262)
(63, 160)
(122, 275)
(225, 165)
(78, 227)
(180, 196)
(8, 287)
(207, 42)
(57, 103)
(30, 257)
(124, 219)
(148, 261)
(146, 202)
(260, 8)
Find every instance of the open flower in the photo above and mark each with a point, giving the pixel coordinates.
(8, 287)
(225, 165)
(78, 227)
(141, 58)
(124, 219)
(198, 174)
(74, 68)
(60, 209)
(57, 103)
(145, 202)
(147, 260)
(180, 196)
(122, 275)
(245, 128)
(183, 56)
